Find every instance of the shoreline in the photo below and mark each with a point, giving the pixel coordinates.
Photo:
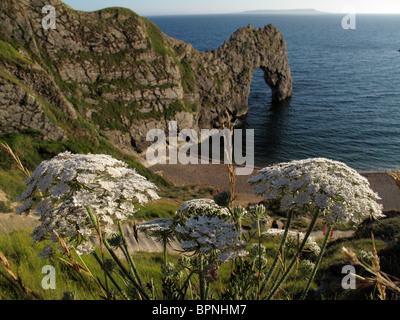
(216, 175)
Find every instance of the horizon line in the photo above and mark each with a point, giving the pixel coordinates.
(271, 13)
(306, 11)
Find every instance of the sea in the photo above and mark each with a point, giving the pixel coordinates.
(346, 86)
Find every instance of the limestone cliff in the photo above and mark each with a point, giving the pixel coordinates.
(116, 72)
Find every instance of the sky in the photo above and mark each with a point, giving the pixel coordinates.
(170, 7)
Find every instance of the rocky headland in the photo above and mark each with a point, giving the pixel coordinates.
(114, 75)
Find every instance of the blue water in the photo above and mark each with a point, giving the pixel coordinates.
(346, 99)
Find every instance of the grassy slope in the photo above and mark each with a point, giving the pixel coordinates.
(22, 256)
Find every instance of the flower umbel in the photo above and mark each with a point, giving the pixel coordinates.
(340, 192)
(70, 183)
(205, 207)
(206, 235)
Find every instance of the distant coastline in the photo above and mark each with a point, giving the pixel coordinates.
(288, 11)
(294, 12)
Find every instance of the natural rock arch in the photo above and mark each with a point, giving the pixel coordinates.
(234, 63)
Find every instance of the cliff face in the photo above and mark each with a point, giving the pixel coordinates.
(119, 74)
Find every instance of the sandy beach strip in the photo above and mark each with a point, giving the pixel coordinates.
(216, 175)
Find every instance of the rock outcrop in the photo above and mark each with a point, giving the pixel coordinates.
(19, 111)
(116, 71)
(233, 64)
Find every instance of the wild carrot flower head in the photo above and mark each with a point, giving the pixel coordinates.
(340, 192)
(211, 235)
(69, 183)
(206, 207)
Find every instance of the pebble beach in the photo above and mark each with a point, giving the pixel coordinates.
(216, 175)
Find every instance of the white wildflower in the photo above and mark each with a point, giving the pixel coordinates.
(188, 245)
(59, 190)
(45, 183)
(206, 207)
(84, 249)
(295, 184)
(27, 193)
(340, 193)
(85, 232)
(231, 254)
(70, 183)
(322, 201)
(287, 202)
(25, 207)
(68, 175)
(207, 234)
(86, 178)
(302, 198)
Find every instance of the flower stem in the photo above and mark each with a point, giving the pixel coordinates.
(126, 272)
(186, 285)
(201, 278)
(165, 242)
(293, 262)
(110, 276)
(279, 251)
(259, 260)
(314, 272)
(128, 255)
(116, 259)
(240, 228)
